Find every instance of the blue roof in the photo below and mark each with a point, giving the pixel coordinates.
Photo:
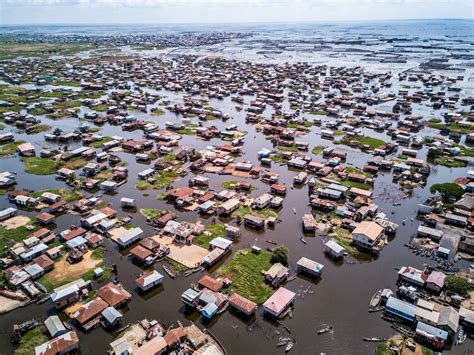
(401, 308)
(432, 330)
(209, 311)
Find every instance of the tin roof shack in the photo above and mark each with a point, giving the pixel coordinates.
(149, 280)
(115, 295)
(262, 201)
(254, 221)
(7, 213)
(190, 298)
(277, 274)
(63, 344)
(242, 305)
(111, 317)
(435, 282)
(412, 275)
(333, 249)
(432, 233)
(69, 293)
(109, 186)
(231, 232)
(228, 207)
(368, 235)
(309, 267)
(87, 314)
(54, 326)
(401, 309)
(26, 150)
(281, 299)
(130, 237)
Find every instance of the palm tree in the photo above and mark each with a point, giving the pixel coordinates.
(57, 132)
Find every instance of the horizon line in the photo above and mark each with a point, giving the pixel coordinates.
(235, 23)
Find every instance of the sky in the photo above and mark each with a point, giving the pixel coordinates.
(225, 11)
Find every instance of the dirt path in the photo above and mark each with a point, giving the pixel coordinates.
(65, 271)
(15, 222)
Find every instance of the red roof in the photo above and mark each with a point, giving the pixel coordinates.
(113, 294)
(242, 303)
(210, 283)
(279, 300)
(61, 344)
(90, 310)
(140, 252)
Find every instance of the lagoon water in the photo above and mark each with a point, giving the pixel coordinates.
(341, 297)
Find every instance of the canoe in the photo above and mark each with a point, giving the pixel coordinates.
(324, 330)
(374, 339)
(375, 300)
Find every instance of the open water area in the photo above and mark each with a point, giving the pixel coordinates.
(340, 298)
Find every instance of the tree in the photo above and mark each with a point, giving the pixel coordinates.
(458, 284)
(280, 255)
(449, 191)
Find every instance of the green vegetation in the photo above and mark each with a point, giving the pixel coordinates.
(67, 195)
(150, 213)
(14, 50)
(449, 162)
(280, 255)
(210, 117)
(362, 141)
(8, 237)
(295, 107)
(187, 131)
(40, 166)
(9, 148)
(157, 112)
(175, 265)
(467, 152)
(31, 340)
(40, 128)
(277, 158)
(66, 83)
(37, 111)
(453, 127)
(231, 185)
(344, 239)
(306, 124)
(245, 272)
(213, 231)
(449, 191)
(100, 143)
(382, 349)
(291, 148)
(264, 213)
(98, 254)
(100, 107)
(63, 105)
(162, 179)
(320, 113)
(339, 132)
(74, 163)
(161, 196)
(458, 284)
(360, 185)
(317, 150)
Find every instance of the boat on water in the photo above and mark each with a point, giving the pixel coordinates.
(290, 346)
(324, 330)
(169, 270)
(294, 210)
(303, 240)
(461, 336)
(283, 342)
(374, 339)
(375, 300)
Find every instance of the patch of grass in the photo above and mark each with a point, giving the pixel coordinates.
(263, 213)
(187, 131)
(157, 112)
(467, 152)
(176, 266)
(40, 166)
(9, 148)
(317, 150)
(306, 124)
(66, 83)
(150, 213)
(360, 185)
(344, 238)
(63, 105)
(8, 237)
(277, 158)
(37, 111)
(231, 185)
(100, 107)
(30, 340)
(373, 143)
(98, 253)
(212, 231)
(320, 113)
(161, 180)
(382, 349)
(291, 148)
(74, 163)
(245, 272)
(98, 144)
(67, 195)
(449, 162)
(161, 196)
(40, 128)
(453, 127)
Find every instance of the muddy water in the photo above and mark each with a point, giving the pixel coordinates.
(340, 298)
